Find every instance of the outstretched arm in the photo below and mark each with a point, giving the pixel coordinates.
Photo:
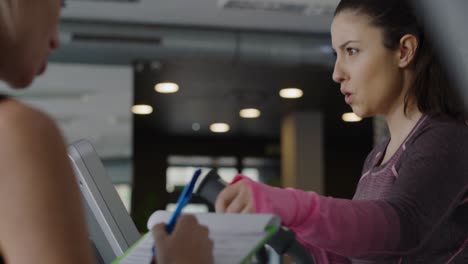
(431, 184)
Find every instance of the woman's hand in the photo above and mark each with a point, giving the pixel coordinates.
(236, 198)
(188, 243)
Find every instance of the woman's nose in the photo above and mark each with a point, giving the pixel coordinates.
(338, 74)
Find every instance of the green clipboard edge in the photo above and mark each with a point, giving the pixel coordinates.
(271, 230)
(118, 260)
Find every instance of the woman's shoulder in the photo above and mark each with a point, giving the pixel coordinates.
(35, 176)
(23, 124)
(446, 122)
(14, 112)
(442, 127)
(439, 134)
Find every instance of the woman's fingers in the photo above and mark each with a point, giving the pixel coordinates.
(237, 204)
(225, 198)
(188, 237)
(236, 198)
(159, 233)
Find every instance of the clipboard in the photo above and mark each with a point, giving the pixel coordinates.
(236, 237)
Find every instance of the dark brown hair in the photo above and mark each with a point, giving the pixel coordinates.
(431, 87)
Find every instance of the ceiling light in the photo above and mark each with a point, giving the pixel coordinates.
(249, 113)
(195, 126)
(291, 93)
(219, 128)
(142, 109)
(166, 87)
(351, 117)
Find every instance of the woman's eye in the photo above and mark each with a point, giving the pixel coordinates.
(352, 51)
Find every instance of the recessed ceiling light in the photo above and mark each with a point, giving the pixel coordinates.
(250, 113)
(166, 87)
(195, 126)
(142, 109)
(351, 117)
(291, 93)
(219, 128)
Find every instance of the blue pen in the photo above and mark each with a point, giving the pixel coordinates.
(183, 200)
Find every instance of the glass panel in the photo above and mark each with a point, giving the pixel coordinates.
(125, 193)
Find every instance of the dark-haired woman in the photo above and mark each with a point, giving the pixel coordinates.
(411, 202)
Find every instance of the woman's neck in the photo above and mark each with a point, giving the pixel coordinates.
(400, 126)
(401, 121)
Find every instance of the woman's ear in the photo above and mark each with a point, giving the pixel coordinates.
(407, 51)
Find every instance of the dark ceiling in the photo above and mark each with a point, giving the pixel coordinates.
(214, 91)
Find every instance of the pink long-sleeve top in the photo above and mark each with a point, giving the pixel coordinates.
(411, 209)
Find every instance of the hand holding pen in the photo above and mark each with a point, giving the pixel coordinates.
(183, 239)
(188, 243)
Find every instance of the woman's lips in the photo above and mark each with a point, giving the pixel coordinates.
(348, 96)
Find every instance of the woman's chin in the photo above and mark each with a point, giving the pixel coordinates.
(21, 82)
(22, 75)
(28, 77)
(360, 112)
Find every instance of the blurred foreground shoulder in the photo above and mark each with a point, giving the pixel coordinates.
(19, 120)
(40, 202)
